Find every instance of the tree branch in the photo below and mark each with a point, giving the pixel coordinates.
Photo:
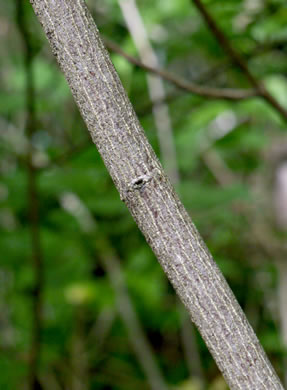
(209, 92)
(227, 63)
(33, 204)
(139, 341)
(155, 86)
(112, 265)
(148, 194)
(238, 59)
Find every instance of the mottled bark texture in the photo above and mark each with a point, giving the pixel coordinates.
(148, 194)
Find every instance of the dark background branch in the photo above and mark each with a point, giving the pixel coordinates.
(237, 58)
(209, 92)
(32, 202)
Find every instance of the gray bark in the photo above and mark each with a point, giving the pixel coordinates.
(148, 194)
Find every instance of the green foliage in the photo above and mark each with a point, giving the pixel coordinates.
(81, 321)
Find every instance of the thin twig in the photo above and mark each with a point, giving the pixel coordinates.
(209, 92)
(213, 72)
(33, 204)
(137, 336)
(227, 63)
(155, 86)
(191, 349)
(238, 59)
(112, 265)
